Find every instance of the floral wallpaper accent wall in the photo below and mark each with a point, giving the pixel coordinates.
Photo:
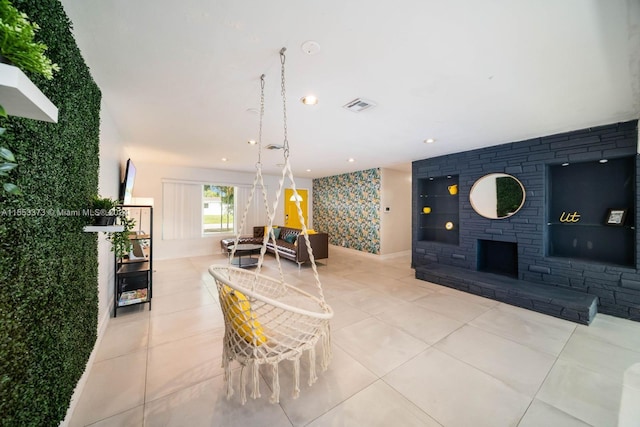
(348, 208)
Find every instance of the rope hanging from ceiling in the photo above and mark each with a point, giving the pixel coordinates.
(266, 319)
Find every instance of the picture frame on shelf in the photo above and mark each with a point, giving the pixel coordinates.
(616, 216)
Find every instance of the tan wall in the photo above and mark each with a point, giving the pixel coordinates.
(112, 156)
(395, 224)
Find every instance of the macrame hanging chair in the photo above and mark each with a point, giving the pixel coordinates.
(267, 320)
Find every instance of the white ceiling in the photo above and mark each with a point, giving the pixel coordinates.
(178, 77)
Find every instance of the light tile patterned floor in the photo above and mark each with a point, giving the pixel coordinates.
(406, 353)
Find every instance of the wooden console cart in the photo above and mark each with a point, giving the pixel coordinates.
(134, 272)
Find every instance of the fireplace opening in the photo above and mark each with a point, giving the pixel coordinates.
(498, 257)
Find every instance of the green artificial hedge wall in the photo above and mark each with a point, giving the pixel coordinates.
(509, 195)
(48, 266)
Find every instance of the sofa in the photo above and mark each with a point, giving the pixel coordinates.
(289, 244)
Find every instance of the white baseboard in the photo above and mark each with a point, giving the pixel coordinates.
(368, 254)
(393, 255)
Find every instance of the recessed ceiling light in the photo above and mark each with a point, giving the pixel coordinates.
(429, 141)
(309, 100)
(308, 170)
(603, 160)
(252, 142)
(351, 160)
(224, 159)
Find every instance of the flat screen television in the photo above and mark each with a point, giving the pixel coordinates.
(126, 188)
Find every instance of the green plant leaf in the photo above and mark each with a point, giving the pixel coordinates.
(6, 166)
(2, 130)
(12, 189)
(3, 113)
(6, 154)
(17, 35)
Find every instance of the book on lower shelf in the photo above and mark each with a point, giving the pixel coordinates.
(132, 297)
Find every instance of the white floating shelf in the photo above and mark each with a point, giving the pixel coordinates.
(20, 97)
(103, 228)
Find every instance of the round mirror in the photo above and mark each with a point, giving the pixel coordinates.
(497, 196)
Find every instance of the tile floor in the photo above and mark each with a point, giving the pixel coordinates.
(406, 353)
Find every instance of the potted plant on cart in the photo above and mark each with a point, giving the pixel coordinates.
(120, 241)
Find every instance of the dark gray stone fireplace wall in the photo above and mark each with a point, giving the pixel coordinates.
(616, 286)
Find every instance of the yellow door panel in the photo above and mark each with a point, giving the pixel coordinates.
(291, 217)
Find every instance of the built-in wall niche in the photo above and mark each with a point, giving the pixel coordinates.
(581, 196)
(498, 257)
(438, 209)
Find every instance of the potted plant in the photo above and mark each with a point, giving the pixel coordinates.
(18, 45)
(102, 210)
(120, 242)
(19, 48)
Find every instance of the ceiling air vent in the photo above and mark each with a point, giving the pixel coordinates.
(274, 147)
(358, 105)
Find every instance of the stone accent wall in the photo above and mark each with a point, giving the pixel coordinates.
(617, 287)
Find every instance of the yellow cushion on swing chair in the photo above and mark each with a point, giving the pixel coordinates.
(243, 321)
